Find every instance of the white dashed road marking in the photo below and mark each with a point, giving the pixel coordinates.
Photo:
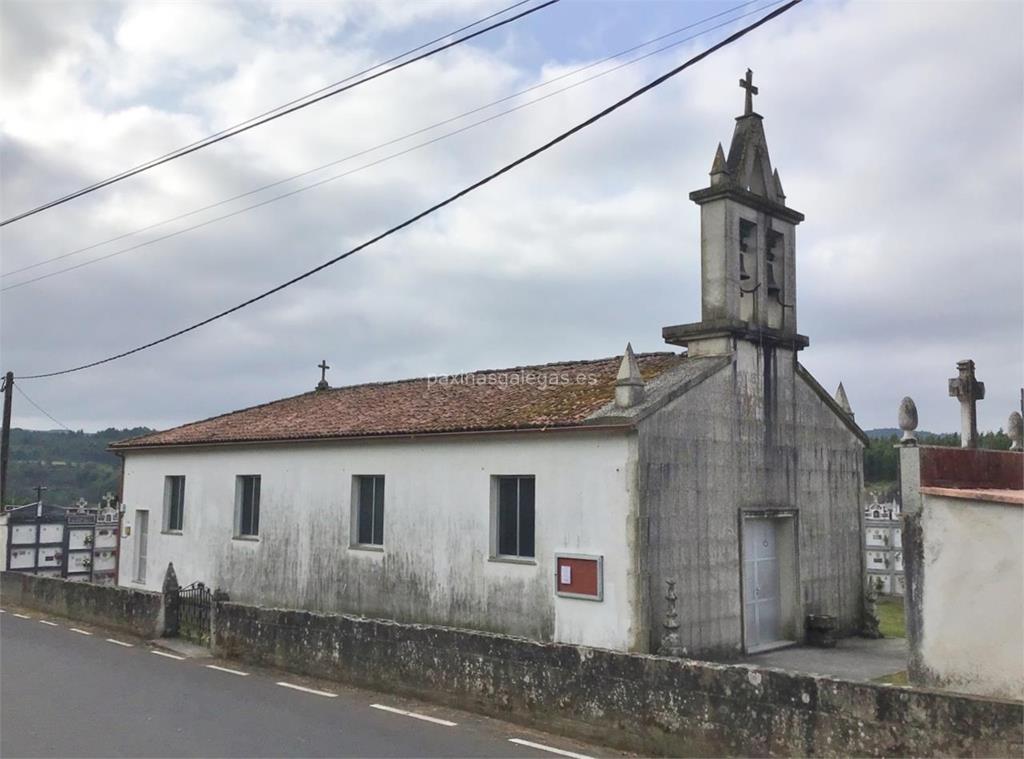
(308, 690)
(542, 747)
(22, 616)
(120, 643)
(169, 656)
(414, 715)
(229, 671)
(48, 622)
(3, 611)
(80, 632)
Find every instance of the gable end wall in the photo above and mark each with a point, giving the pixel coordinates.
(754, 436)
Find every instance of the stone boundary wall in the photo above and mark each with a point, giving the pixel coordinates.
(138, 612)
(648, 704)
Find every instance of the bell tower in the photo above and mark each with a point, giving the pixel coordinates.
(748, 244)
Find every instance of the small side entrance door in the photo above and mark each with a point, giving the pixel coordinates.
(762, 601)
(141, 539)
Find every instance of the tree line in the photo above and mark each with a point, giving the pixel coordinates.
(881, 457)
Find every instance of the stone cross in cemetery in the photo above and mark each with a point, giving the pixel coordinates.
(109, 499)
(322, 384)
(747, 83)
(968, 391)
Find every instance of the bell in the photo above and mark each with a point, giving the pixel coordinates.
(743, 269)
(772, 284)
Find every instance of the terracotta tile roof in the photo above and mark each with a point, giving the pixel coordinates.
(528, 397)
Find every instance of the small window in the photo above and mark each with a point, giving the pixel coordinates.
(514, 517)
(247, 505)
(368, 513)
(174, 503)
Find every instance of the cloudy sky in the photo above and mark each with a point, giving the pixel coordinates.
(896, 128)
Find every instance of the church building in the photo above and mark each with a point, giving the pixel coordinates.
(708, 495)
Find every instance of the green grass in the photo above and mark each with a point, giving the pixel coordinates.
(890, 617)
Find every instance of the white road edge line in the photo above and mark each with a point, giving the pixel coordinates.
(542, 747)
(308, 690)
(22, 616)
(229, 671)
(48, 622)
(80, 632)
(169, 656)
(120, 643)
(414, 715)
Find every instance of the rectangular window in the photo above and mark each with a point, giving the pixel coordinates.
(514, 516)
(174, 503)
(369, 509)
(247, 505)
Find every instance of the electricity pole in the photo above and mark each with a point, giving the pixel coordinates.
(5, 437)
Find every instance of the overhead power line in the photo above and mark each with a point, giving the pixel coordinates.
(378, 161)
(40, 409)
(447, 201)
(326, 87)
(272, 115)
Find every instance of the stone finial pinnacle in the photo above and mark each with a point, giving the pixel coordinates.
(908, 421)
(718, 165)
(778, 186)
(671, 645)
(1015, 429)
(629, 383)
(719, 170)
(843, 401)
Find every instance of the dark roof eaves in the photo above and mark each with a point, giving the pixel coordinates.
(619, 426)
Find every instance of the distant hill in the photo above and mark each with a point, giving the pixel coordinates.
(887, 432)
(71, 465)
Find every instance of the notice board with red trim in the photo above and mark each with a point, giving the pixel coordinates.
(579, 576)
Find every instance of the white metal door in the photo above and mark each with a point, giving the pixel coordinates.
(761, 591)
(141, 538)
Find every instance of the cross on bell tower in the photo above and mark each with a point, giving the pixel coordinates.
(747, 83)
(966, 388)
(748, 248)
(322, 384)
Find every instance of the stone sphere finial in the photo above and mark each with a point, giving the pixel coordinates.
(908, 421)
(1015, 429)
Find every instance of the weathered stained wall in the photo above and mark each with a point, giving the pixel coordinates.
(755, 436)
(135, 611)
(435, 566)
(651, 705)
(965, 595)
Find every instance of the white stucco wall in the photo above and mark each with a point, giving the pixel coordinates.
(435, 566)
(972, 607)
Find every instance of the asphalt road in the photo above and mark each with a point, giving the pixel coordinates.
(69, 694)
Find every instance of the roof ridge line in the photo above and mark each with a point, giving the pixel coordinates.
(490, 371)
